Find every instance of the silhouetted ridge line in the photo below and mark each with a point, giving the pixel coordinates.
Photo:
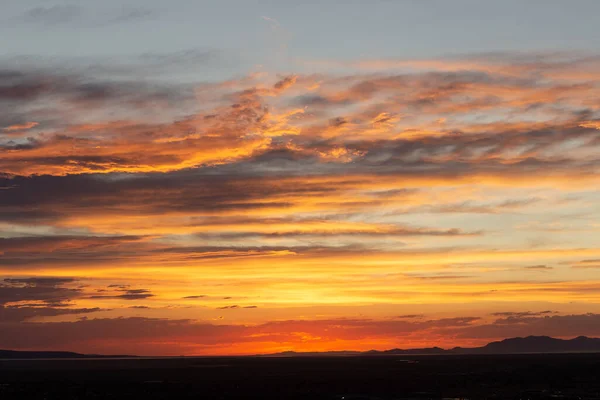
(518, 345)
(14, 354)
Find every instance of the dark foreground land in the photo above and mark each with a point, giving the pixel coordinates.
(557, 376)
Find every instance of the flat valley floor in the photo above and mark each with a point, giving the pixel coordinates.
(555, 376)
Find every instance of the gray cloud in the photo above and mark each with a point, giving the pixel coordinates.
(39, 281)
(49, 291)
(586, 264)
(539, 267)
(549, 325)
(521, 314)
(234, 307)
(53, 15)
(129, 294)
(133, 14)
(141, 335)
(400, 231)
(74, 14)
(141, 331)
(23, 313)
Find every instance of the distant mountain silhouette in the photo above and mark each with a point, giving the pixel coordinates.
(316, 353)
(14, 354)
(541, 344)
(518, 345)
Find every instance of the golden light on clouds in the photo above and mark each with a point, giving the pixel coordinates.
(375, 204)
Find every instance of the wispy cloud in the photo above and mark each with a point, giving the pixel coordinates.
(55, 15)
(268, 202)
(143, 335)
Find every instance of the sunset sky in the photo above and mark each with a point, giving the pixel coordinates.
(244, 176)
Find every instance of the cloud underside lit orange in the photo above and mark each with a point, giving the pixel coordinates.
(375, 204)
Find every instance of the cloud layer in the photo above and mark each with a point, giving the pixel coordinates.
(267, 209)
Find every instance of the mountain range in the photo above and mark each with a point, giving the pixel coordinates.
(15, 354)
(518, 345)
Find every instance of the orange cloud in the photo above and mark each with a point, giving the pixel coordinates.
(301, 212)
